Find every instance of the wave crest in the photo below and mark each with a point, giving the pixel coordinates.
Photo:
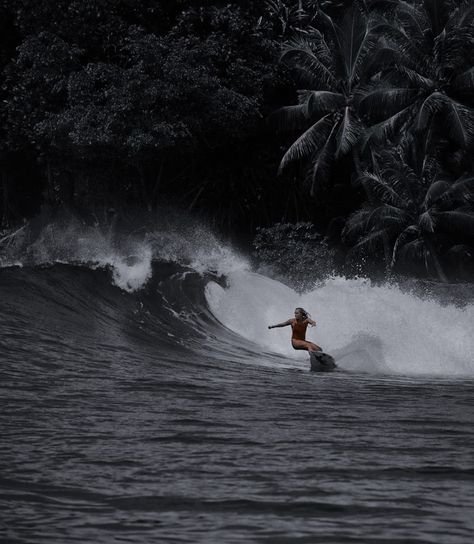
(127, 250)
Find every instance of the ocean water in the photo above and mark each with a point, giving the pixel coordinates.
(143, 399)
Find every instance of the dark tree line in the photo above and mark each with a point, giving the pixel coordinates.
(112, 103)
(118, 103)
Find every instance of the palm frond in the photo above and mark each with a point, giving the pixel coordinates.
(332, 29)
(380, 59)
(290, 118)
(410, 49)
(460, 123)
(430, 167)
(364, 60)
(459, 42)
(414, 78)
(462, 16)
(438, 12)
(321, 166)
(356, 225)
(322, 102)
(427, 222)
(394, 215)
(377, 186)
(415, 250)
(461, 191)
(356, 42)
(385, 129)
(308, 143)
(383, 101)
(464, 81)
(413, 18)
(348, 134)
(406, 234)
(457, 221)
(453, 50)
(300, 52)
(303, 95)
(353, 33)
(431, 105)
(320, 47)
(439, 47)
(434, 192)
(372, 241)
(460, 252)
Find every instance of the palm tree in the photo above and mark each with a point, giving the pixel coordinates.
(330, 65)
(428, 82)
(297, 15)
(415, 213)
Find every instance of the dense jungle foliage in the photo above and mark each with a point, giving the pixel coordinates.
(355, 116)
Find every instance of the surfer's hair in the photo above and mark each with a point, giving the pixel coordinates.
(303, 312)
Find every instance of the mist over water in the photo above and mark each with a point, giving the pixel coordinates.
(127, 252)
(145, 400)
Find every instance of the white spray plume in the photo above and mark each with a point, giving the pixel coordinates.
(368, 328)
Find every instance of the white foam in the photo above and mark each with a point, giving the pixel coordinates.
(197, 247)
(133, 272)
(129, 256)
(367, 327)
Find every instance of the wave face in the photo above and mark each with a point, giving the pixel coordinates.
(367, 328)
(145, 400)
(179, 286)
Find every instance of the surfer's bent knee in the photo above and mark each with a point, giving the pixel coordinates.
(304, 345)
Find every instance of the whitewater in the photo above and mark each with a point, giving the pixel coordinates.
(144, 398)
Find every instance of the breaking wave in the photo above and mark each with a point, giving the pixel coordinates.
(178, 292)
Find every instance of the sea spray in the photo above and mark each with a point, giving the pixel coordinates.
(127, 251)
(368, 327)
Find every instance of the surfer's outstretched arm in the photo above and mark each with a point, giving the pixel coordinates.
(284, 324)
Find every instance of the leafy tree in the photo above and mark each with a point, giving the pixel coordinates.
(290, 16)
(116, 101)
(330, 65)
(415, 213)
(294, 252)
(428, 80)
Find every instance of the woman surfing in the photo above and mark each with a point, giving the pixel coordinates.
(299, 324)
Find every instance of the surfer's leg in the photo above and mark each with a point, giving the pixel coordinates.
(303, 344)
(313, 347)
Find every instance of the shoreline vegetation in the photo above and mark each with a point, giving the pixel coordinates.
(342, 132)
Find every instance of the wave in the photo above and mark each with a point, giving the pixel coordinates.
(128, 253)
(366, 327)
(177, 293)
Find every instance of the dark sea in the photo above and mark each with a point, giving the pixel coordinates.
(143, 399)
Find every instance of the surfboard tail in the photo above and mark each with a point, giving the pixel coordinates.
(321, 362)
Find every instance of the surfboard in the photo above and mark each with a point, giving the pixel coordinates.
(321, 362)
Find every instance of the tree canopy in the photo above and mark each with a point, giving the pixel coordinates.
(250, 113)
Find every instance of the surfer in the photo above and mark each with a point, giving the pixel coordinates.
(299, 324)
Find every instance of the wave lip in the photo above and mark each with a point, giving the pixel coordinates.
(128, 253)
